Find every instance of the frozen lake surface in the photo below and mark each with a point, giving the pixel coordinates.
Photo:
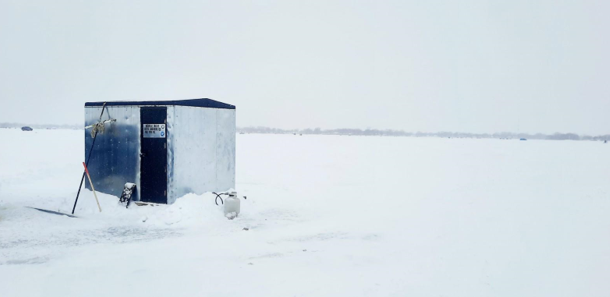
(326, 216)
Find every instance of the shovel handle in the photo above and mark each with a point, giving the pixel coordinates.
(92, 188)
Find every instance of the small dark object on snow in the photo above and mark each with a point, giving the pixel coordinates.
(246, 229)
(128, 190)
(605, 141)
(26, 128)
(523, 139)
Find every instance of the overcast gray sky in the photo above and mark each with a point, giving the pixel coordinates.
(471, 66)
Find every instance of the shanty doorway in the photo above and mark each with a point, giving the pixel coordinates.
(153, 154)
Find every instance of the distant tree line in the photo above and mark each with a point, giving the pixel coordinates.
(388, 132)
(40, 126)
(370, 132)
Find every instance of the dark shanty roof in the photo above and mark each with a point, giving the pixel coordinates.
(203, 102)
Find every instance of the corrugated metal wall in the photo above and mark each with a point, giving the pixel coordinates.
(201, 149)
(115, 159)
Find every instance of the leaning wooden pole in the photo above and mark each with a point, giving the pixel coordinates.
(82, 179)
(92, 187)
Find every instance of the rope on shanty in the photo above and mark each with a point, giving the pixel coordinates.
(99, 126)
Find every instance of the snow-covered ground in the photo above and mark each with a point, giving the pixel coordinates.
(327, 216)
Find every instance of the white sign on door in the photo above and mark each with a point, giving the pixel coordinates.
(153, 130)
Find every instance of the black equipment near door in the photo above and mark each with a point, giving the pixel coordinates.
(153, 154)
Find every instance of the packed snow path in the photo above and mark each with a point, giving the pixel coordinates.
(325, 216)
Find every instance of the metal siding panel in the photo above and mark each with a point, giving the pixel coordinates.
(171, 131)
(194, 157)
(225, 149)
(115, 156)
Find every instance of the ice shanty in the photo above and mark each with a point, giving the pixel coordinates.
(167, 148)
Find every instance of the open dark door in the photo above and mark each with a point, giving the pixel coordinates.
(153, 154)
